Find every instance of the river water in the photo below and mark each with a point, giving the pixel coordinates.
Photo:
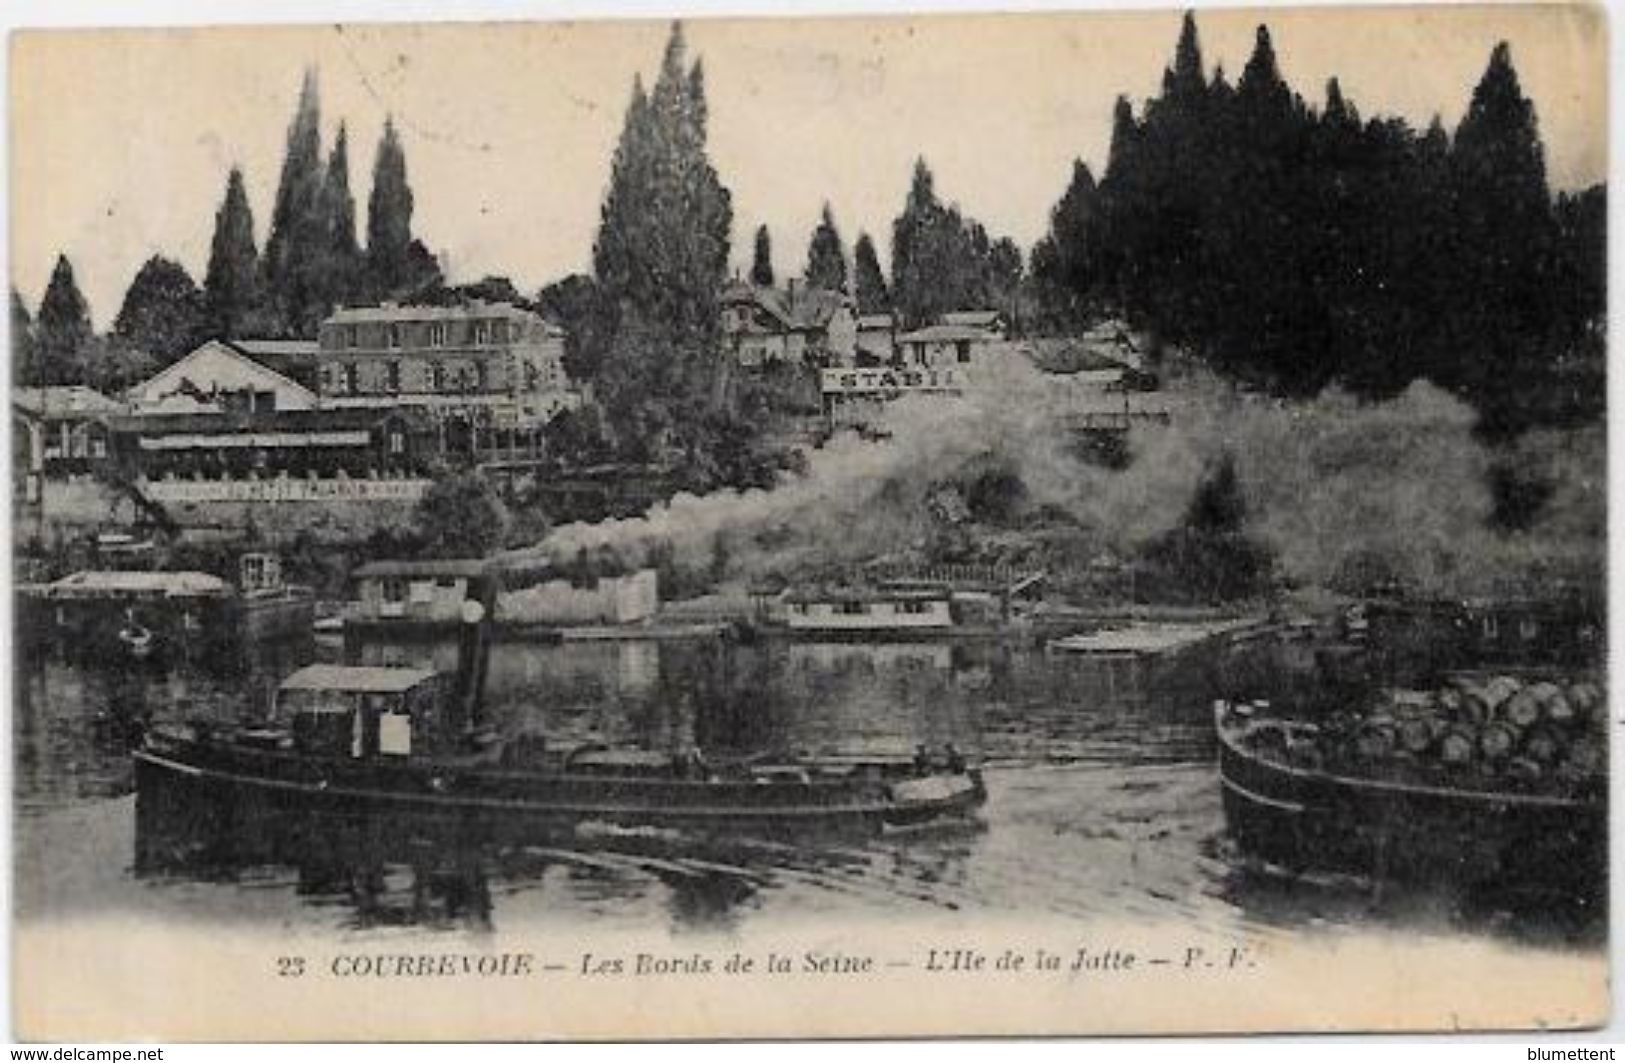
(1103, 799)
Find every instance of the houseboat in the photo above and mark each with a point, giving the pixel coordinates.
(144, 612)
(368, 741)
(422, 599)
(106, 611)
(868, 612)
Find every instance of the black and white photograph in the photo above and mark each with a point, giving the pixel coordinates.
(886, 525)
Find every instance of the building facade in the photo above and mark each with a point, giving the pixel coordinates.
(219, 376)
(796, 324)
(491, 365)
(57, 431)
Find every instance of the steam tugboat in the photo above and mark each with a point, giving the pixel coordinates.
(1485, 781)
(366, 741)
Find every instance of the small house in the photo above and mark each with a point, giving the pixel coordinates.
(430, 591)
(868, 609)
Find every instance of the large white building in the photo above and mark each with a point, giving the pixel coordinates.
(496, 361)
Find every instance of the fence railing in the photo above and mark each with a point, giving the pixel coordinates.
(283, 489)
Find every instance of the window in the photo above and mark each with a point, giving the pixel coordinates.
(914, 608)
(963, 350)
(851, 608)
(437, 377)
(437, 334)
(479, 332)
(394, 373)
(394, 589)
(395, 335)
(352, 379)
(397, 441)
(481, 381)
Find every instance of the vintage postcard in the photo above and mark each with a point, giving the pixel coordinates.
(932, 525)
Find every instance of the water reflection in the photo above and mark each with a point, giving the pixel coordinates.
(1102, 803)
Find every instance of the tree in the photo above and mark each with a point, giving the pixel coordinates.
(231, 286)
(761, 267)
(826, 258)
(23, 368)
(460, 516)
(341, 280)
(390, 264)
(163, 312)
(577, 305)
(941, 261)
(869, 282)
(297, 251)
(1061, 259)
(62, 328)
(1506, 233)
(661, 255)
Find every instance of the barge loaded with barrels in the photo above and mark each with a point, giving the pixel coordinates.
(1480, 779)
(368, 742)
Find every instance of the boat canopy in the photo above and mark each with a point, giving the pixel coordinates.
(355, 679)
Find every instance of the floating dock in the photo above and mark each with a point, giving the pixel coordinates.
(1143, 640)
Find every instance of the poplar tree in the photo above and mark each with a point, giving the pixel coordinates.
(826, 258)
(390, 265)
(341, 257)
(869, 281)
(761, 267)
(63, 328)
(661, 254)
(295, 252)
(231, 285)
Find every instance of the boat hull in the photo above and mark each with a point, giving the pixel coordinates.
(180, 778)
(1305, 820)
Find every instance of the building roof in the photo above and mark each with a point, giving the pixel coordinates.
(276, 348)
(73, 402)
(290, 358)
(389, 312)
(985, 319)
(175, 374)
(1069, 355)
(944, 334)
(95, 582)
(463, 568)
(356, 679)
(796, 308)
(812, 595)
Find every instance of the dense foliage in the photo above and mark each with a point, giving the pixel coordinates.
(163, 312)
(826, 257)
(869, 283)
(943, 261)
(1294, 248)
(761, 265)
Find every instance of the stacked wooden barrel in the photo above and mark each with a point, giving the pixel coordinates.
(1529, 733)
